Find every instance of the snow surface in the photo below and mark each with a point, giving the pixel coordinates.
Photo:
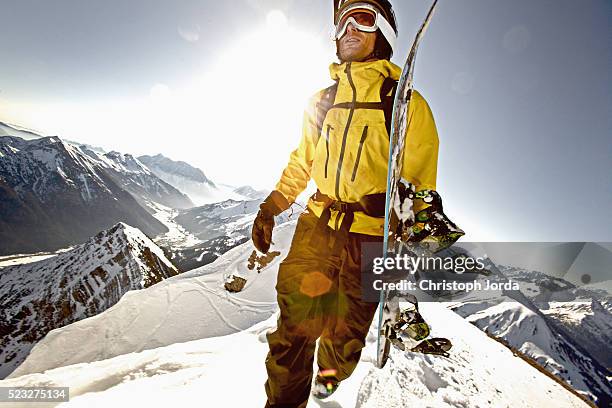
(156, 347)
(229, 371)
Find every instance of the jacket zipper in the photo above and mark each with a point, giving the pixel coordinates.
(327, 148)
(346, 129)
(364, 135)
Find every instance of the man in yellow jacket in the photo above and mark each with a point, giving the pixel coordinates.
(344, 148)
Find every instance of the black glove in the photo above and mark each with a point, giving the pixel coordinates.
(261, 234)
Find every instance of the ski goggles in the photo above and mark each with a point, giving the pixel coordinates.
(367, 18)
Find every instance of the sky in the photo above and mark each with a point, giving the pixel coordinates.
(520, 91)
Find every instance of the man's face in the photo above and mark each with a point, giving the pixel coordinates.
(356, 45)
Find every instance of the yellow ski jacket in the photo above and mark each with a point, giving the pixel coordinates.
(349, 159)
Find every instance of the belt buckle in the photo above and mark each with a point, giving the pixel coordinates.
(340, 206)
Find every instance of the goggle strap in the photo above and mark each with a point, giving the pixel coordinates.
(356, 6)
(387, 30)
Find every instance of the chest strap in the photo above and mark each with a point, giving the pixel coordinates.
(328, 97)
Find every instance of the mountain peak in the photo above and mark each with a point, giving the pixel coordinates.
(45, 141)
(79, 283)
(164, 164)
(183, 177)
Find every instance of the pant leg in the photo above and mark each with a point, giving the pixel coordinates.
(344, 337)
(306, 292)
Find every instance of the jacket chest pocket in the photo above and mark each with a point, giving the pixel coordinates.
(367, 161)
(329, 128)
(364, 135)
(323, 153)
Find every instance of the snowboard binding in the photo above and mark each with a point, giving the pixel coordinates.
(408, 332)
(430, 229)
(437, 346)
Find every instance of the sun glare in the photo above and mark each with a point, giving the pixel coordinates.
(238, 121)
(276, 20)
(246, 111)
(159, 92)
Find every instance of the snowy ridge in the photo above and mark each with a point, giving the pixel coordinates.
(178, 168)
(57, 190)
(39, 162)
(7, 129)
(84, 281)
(162, 339)
(534, 337)
(185, 178)
(135, 177)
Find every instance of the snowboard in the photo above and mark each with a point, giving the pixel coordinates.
(430, 228)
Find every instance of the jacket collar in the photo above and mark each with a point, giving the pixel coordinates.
(367, 70)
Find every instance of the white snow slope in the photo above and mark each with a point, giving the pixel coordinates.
(139, 353)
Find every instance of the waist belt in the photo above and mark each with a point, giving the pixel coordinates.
(372, 205)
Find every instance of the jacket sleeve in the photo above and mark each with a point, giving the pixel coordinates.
(421, 151)
(420, 165)
(296, 175)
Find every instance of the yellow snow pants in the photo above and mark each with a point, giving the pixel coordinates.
(319, 296)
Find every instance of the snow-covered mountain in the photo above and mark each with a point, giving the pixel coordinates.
(219, 227)
(226, 218)
(184, 177)
(132, 175)
(163, 340)
(588, 324)
(250, 192)
(53, 195)
(18, 131)
(38, 297)
(551, 321)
